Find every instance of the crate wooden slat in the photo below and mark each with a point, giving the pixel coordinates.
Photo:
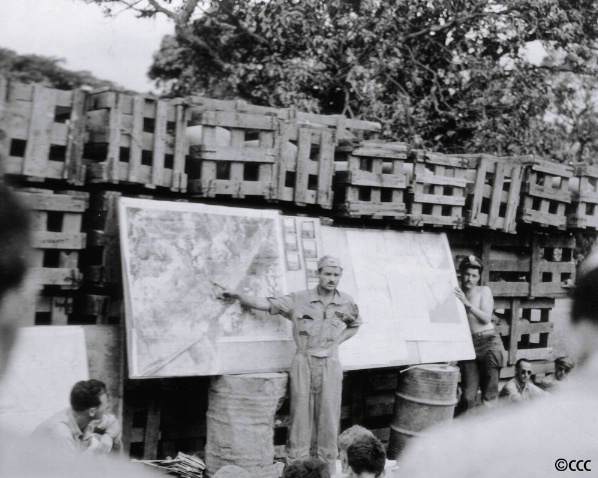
(57, 238)
(553, 265)
(237, 154)
(524, 318)
(305, 165)
(495, 194)
(137, 140)
(582, 213)
(98, 309)
(344, 128)
(101, 259)
(438, 190)
(45, 131)
(525, 265)
(374, 183)
(545, 192)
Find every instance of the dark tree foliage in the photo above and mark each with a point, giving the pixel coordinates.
(45, 70)
(450, 75)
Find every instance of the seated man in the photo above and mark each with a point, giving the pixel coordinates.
(307, 468)
(520, 387)
(562, 367)
(86, 426)
(366, 458)
(345, 440)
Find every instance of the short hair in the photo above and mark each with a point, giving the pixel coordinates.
(471, 262)
(565, 361)
(86, 394)
(14, 240)
(520, 361)
(585, 298)
(366, 454)
(307, 468)
(350, 435)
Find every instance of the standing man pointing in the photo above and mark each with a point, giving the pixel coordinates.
(322, 319)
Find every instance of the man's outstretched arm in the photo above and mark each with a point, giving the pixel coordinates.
(259, 303)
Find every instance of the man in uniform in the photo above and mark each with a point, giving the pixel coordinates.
(484, 371)
(562, 367)
(86, 426)
(520, 388)
(322, 319)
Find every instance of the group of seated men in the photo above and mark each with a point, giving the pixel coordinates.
(521, 387)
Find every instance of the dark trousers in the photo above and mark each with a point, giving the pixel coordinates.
(483, 373)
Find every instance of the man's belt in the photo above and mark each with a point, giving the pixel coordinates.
(483, 333)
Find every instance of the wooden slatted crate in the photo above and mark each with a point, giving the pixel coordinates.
(438, 190)
(234, 155)
(545, 192)
(305, 165)
(526, 327)
(101, 260)
(137, 140)
(98, 309)
(57, 237)
(582, 213)
(495, 193)
(45, 131)
(525, 265)
(374, 180)
(345, 129)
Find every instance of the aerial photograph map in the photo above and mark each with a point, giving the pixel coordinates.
(176, 259)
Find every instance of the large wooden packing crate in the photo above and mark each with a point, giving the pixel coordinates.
(526, 327)
(57, 236)
(374, 180)
(545, 192)
(305, 165)
(495, 193)
(582, 213)
(235, 154)
(137, 140)
(45, 131)
(438, 190)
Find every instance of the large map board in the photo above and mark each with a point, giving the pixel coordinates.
(175, 253)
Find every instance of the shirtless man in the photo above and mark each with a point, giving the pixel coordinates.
(484, 371)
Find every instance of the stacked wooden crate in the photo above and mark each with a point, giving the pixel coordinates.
(45, 130)
(371, 180)
(136, 139)
(582, 213)
(101, 297)
(57, 242)
(438, 190)
(234, 149)
(545, 192)
(305, 164)
(526, 273)
(494, 195)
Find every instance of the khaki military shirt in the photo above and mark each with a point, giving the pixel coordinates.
(319, 325)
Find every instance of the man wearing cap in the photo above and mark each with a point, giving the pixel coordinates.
(484, 371)
(322, 319)
(520, 388)
(562, 367)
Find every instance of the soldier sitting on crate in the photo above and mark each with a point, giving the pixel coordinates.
(558, 432)
(521, 388)
(562, 367)
(484, 371)
(86, 426)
